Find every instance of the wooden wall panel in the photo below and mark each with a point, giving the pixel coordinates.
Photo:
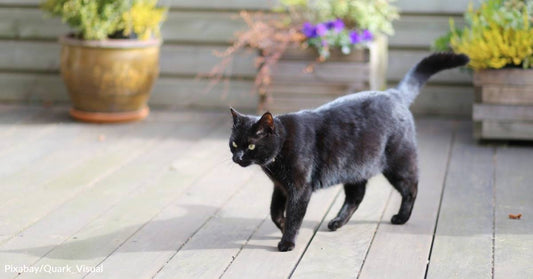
(410, 6)
(197, 28)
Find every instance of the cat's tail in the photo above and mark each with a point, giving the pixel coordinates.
(410, 86)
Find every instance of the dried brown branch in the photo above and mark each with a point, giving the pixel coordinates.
(271, 34)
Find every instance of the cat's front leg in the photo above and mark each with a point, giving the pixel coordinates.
(297, 201)
(277, 207)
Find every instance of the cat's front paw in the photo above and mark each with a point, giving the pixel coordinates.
(284, 246)
(398, 219)
(334, 224)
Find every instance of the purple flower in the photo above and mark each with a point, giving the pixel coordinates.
(367, 35)
(324, 43)
(337, 25)
(309, 30)
(355, 38)
(321, 29)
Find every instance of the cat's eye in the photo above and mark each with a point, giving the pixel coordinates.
(251, 146)
(234, 144)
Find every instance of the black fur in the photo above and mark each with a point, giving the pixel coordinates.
(429, 66)
(345, 141)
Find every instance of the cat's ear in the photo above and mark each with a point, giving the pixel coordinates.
(236, 116)
(265, 124)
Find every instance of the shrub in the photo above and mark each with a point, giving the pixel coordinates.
(498, 34)
(103, 19)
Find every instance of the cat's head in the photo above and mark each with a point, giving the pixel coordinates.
(253, 140)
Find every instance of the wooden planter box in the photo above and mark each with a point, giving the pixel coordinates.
(504, 104)
(293, 88)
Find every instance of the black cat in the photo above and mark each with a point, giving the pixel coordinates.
(348, 140)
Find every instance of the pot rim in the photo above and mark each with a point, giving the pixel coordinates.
(110, 43)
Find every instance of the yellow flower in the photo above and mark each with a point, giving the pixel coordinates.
(490, 41)
(143, 19)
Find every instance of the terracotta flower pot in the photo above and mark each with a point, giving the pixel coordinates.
(109, 81)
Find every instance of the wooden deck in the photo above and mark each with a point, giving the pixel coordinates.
(161, 198)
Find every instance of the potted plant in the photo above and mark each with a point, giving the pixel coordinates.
(314, 51)
(110, 61)
(498, 38)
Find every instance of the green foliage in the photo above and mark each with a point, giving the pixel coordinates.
(373, 15)
(443, 43)
(102, 19)
(505, 13)
(497, 34)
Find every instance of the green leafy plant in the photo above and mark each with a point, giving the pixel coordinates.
(103, 19)
(497, 34)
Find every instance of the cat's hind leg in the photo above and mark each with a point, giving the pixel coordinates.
(402, 173)
(277, 207)
(354, 195)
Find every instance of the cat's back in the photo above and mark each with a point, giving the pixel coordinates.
(367, 104)
(344, 140)
(367, 109)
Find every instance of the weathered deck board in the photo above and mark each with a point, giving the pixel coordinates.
(350, 243)
(166, 186)
(262, 247)
(402, 251)
(93, 140)
(30, 129)
(167, 232)
(132, 178)
(186, 215)
(46, 197)
(162, 198)
(106, 233)
(463, 242)
(12, 116)
(39, 147)
(513, 241)
(205, 256)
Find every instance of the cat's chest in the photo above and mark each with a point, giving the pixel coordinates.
(288, 173)
(277, 172)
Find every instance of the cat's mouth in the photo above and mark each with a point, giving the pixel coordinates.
(244, 163)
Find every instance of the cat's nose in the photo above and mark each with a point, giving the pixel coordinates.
(237, 156)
